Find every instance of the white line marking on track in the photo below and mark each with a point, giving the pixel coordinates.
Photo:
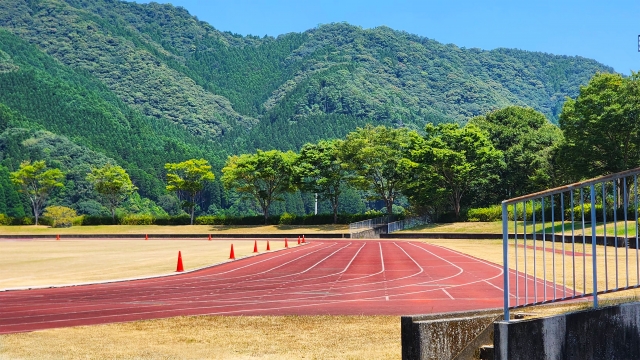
(449, 295)
(312, 303)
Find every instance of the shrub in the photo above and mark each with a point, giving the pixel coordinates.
(137, 219)
(287, 219)
(59, 216)
(209, 220)
(98, 220)
(77, 221)
(5, 220)
(183, 219)
(491, 213)
(22, 221)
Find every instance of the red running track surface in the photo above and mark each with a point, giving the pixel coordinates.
(335, 277)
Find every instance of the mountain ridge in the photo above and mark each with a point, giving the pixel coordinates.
(145, 84)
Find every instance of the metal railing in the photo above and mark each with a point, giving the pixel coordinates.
(370, 223)
(550, 226)
(407, 223)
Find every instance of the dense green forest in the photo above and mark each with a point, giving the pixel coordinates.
(86, 82)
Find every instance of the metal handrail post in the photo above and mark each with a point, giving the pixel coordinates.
(594, 258)
(505, 258)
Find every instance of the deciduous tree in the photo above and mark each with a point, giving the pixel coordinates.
(264, 176)
(37, 183)
(187, 179)
(379, 159)
(460, 160)
(320, 170)
(113, 184)
(602, 126)
(526, 139)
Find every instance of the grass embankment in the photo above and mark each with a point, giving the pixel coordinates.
(496, 228)
(181, 229)
(51, 262)
(216, 337)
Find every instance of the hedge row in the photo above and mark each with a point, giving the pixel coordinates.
(141, 219)
(494, 213)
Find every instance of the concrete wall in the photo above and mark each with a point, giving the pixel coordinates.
(373, 233)
(442, 336)
(605, 333)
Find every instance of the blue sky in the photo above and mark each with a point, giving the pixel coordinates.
(605, 31)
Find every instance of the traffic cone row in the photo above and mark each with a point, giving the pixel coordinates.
(232, 255)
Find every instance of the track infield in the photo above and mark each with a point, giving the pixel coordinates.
(325, 277)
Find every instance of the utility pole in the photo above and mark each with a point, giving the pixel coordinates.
(316, 212)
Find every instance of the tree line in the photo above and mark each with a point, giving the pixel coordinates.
(443, 168)
(447, 167)
(37, 182)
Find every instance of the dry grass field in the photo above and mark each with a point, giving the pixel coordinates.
(50, 262)
(181, 229)
(216, 337)
(243, 337)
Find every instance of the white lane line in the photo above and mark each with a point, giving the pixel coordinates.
(387, 298)
(537, 280)
(247, 300)
(159, 312)
(449, 295)
(497, 287)
(261, 296)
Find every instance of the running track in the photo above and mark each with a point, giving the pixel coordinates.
(336, 277)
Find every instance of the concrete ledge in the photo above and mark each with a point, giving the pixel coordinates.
(606, 333)
(443, 336)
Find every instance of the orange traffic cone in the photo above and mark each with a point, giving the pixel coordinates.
(57, 237)
(232, 255)
(303, 239)
(146, 236)
(255, 246)
(180, 267)
(298, 239)
(286, 244)
(268, 248)
(209, 237)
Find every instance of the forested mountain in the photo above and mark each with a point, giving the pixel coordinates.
(146, 84)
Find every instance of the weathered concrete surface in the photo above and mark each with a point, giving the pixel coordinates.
(442, 336)
(472, 350)
(607, 333)
(373, 233)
